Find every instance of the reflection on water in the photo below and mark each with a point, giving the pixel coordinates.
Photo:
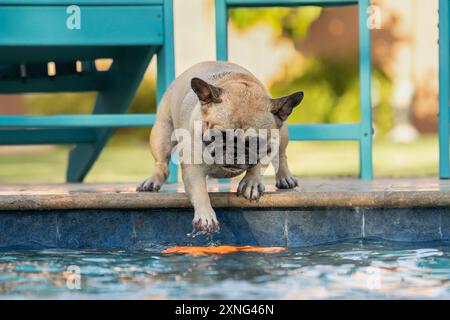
(376, 270)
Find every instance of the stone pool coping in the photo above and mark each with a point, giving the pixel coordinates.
(79, 216)
(340, 193)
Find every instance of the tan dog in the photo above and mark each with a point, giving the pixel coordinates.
(220, 95)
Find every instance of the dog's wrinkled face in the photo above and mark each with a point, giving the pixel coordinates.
(242, 105)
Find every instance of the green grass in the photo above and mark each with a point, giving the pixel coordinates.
(132, 162)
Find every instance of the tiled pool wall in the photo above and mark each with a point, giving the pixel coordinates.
(291, 227)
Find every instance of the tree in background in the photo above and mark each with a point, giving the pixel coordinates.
(328, 76)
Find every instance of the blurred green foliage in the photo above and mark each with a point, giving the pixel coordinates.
(332, 93)
(331, 86)
(292, 23)
(132, 163)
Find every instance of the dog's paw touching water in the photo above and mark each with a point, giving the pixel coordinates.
(205, 221)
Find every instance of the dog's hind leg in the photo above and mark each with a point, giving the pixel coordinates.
(161, 146)
(284, 177)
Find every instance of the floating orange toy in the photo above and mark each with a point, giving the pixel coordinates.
(196, 251)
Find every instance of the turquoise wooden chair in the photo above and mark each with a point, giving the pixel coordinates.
(444, 83)
(37, 32)
(362, 131)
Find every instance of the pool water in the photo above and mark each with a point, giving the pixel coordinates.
(361, 270)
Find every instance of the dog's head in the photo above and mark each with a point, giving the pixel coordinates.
(241, 103)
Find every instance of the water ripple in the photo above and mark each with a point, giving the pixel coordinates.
(375, 270)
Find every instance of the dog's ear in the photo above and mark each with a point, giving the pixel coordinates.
(282, 107)
(206, 93)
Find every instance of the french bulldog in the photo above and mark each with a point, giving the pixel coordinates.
(220, 96)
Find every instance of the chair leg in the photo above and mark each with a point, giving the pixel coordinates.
(365, 72)
(126, 75)
(221, 30)
(444, 85)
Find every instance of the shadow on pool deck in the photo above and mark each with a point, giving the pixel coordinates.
(319, 211)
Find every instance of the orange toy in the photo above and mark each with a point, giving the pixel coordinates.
(196, 251)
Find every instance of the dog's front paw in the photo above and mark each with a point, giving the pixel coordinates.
(286, 182)
(205, 220)
(250, 188)
(152, 184)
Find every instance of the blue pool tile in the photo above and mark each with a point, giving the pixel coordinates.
(445, 223)
(134, 229)
(29, 230)
(313, 227)
(165, 227)
(171, 227)
(95, 229)
(267, 227)
(403, 224)
(235, 223)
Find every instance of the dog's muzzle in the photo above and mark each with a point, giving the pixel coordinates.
(236, 153)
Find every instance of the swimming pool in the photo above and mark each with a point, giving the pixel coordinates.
(357, 269)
